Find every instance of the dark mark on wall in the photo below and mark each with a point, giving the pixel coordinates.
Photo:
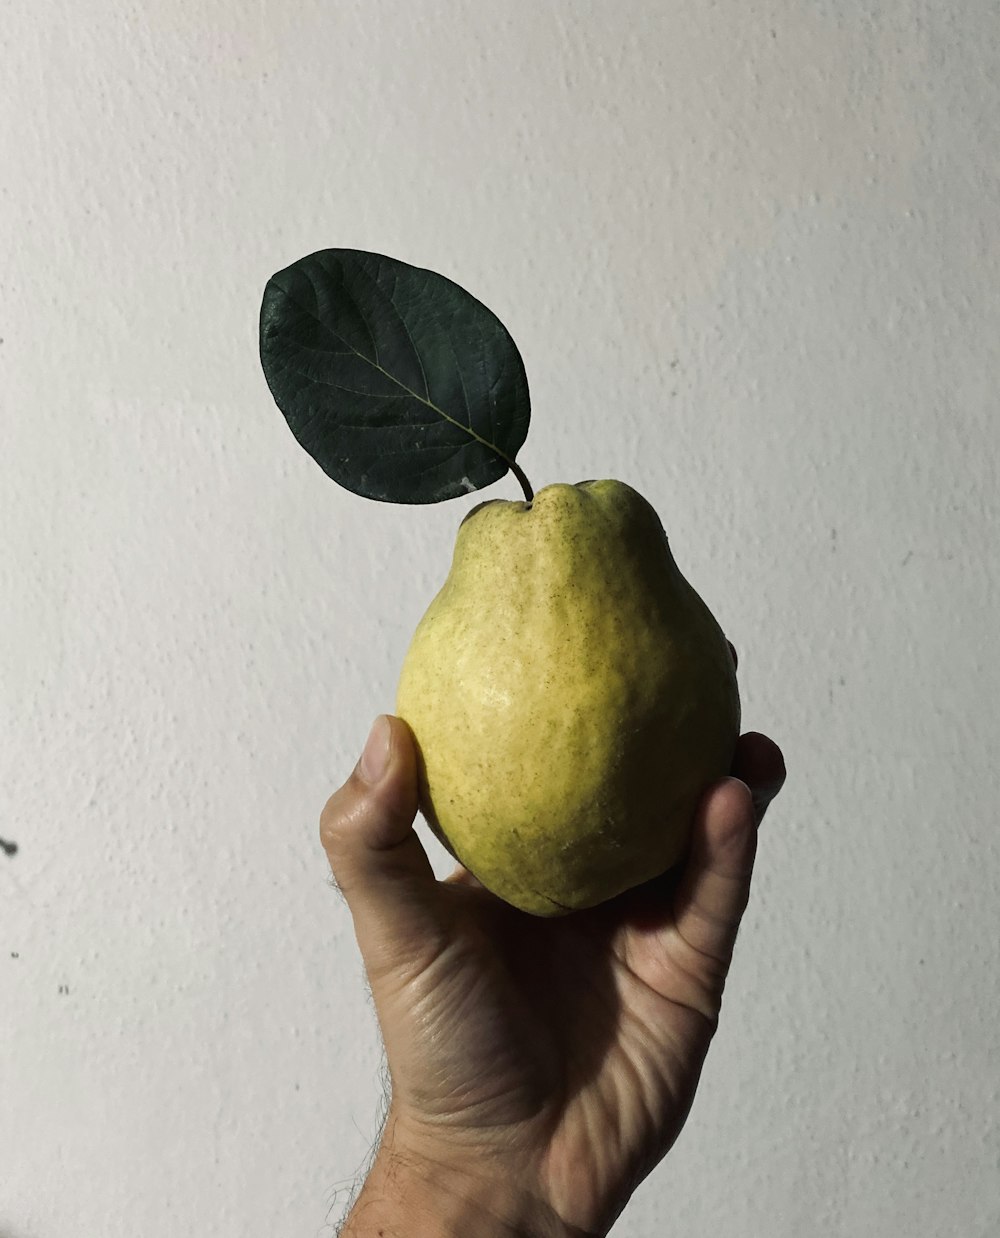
(10, 848)
(64, 990)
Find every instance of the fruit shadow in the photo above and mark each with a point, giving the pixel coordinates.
(565, 980)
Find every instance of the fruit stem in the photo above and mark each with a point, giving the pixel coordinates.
(518, 472)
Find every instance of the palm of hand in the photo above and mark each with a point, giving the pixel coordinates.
(572, 1045)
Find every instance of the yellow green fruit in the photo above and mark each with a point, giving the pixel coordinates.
(571, 697)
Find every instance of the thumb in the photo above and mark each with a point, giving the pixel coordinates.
(376, 858)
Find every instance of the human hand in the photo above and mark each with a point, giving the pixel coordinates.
(540, 1068)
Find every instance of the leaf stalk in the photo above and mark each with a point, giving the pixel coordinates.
(519, 473)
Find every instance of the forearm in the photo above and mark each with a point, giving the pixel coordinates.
(410, 1195)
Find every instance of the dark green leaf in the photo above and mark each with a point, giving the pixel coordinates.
(400, 384)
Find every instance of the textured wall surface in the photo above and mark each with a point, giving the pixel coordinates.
(751, 256)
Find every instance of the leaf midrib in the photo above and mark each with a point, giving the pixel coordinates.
(428, 403)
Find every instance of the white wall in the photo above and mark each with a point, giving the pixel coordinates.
(750, 254)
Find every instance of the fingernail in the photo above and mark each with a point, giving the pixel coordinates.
(375, 758)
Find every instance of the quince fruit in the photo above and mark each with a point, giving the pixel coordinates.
(571, 697)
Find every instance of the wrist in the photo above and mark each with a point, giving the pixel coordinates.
(414, 1192)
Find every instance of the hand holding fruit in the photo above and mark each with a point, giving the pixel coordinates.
(540, 1067)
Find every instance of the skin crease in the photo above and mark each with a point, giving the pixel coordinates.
(540, 1068)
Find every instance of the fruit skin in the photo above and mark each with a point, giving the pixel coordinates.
(571, 697)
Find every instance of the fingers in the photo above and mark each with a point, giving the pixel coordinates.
(376, 858)
(715, 885)
(759, 763)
